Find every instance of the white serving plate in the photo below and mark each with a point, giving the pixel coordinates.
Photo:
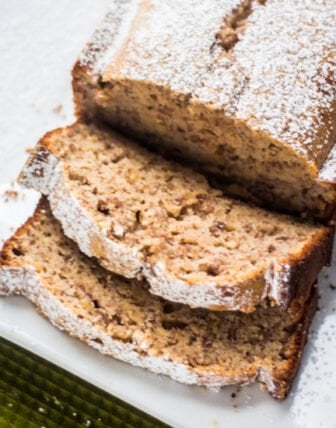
(40, 41)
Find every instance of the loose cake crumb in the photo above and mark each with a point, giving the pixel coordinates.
(10, 194)
(58, 109)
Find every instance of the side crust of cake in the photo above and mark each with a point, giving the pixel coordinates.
(25, 280)
(282, 280)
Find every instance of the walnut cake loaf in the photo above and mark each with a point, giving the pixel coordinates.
(246, 88)
(124, 320)
(143, 217)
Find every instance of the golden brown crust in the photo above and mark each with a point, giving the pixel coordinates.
(306, 266)
(6, 258)
(82, 86)
(283, 378)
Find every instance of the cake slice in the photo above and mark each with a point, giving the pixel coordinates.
(121, 318)
(246, 88)
(143, 217)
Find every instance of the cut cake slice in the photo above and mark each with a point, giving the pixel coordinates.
(121, 318)
(144, 217)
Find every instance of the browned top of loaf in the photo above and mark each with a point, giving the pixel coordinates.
(173, 218)
(270, 64)
(226, 343)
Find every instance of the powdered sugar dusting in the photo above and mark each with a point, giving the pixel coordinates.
(108, 38)
(276, 278)
(173, 42)
(279, 79)
(292, 71)
(45, 174)
(328, 172)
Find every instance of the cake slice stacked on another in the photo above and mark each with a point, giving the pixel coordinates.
(121, 318)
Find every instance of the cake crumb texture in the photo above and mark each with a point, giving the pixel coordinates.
(142, 216)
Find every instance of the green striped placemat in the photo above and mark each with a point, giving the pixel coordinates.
(36, 393)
